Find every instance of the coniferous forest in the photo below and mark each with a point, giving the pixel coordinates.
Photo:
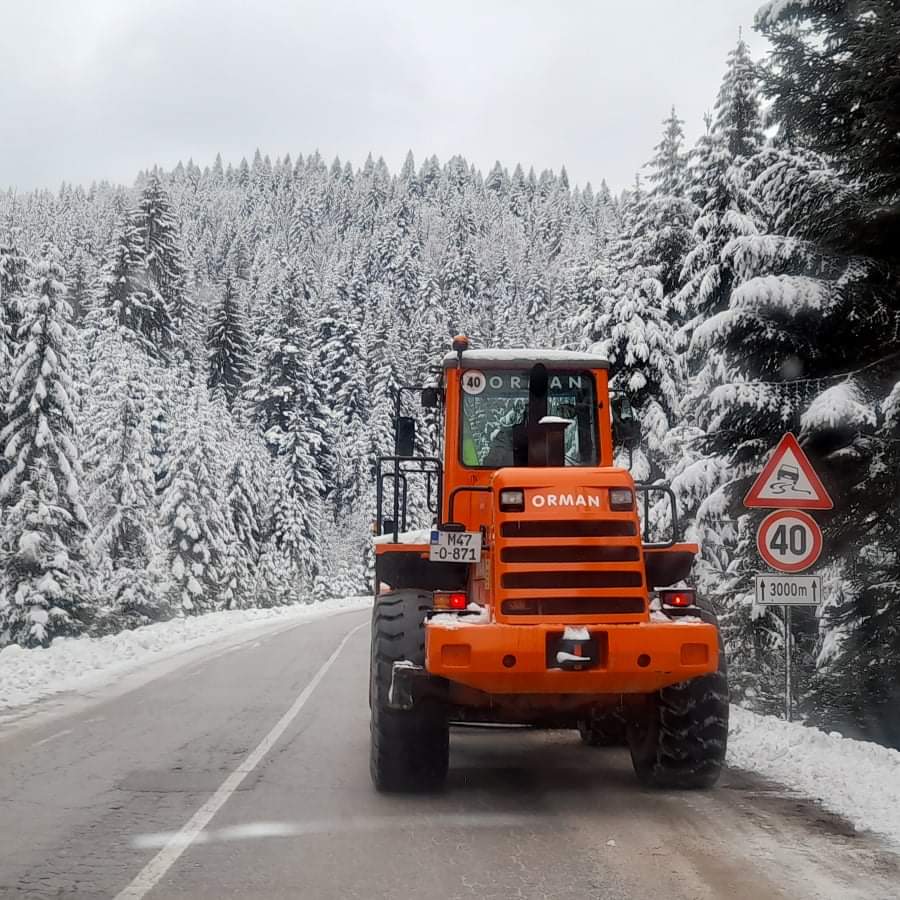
(197, 372)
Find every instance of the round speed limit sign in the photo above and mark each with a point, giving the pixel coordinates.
(789, 540)
(473, 382)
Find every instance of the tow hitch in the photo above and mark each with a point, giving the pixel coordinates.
(574, 650)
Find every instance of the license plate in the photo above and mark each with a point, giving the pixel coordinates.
(455, 546)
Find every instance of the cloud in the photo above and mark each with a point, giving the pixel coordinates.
(101, 89)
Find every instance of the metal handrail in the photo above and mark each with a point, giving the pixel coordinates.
(646, 490)
(430, 466)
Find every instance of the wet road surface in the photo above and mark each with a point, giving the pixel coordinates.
(244, 773)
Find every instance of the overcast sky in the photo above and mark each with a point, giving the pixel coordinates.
(97, 89)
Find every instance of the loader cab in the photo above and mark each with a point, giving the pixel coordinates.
(502, 423)
(520, 409)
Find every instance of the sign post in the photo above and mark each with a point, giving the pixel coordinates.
(788, 540)
(788, 591)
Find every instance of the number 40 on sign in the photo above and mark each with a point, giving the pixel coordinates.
(789, 540)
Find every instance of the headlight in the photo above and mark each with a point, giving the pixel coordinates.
(621, 499)
(512, 500)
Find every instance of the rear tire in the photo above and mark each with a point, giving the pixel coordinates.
(409, 749)
(680, 740)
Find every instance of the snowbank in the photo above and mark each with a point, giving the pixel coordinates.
(855, 779)
(84, 664)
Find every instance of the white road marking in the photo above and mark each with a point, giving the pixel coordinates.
(254, 830)
(52, 737)
(181, 840)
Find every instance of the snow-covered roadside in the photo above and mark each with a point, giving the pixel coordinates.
(85, 664)
(858, 780)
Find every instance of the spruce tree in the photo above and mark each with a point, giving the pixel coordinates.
(341, 381)
(155, 219)
(13, 284)
(229, 352)
(663, 230)
(632, 332)
(835, 185)
(737, 118)
(130, 297)
(194, 530)
(669, 166)
(727, 211)
(289, 412)
(44, 589)
(122, 486)
(297, 504)
(832, 77)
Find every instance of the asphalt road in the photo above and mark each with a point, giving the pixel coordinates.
(244, 773)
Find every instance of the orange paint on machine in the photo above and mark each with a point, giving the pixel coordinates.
(576, 613)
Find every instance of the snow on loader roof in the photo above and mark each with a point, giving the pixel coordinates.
(527, 356)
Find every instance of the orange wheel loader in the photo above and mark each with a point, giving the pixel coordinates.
(536, 596)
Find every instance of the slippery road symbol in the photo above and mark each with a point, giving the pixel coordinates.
(788, 481)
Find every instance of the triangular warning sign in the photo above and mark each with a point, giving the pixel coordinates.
(788, 481)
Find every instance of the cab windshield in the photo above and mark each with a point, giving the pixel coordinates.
(495, 415)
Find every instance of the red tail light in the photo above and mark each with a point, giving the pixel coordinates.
(455, 600)
(681, 598)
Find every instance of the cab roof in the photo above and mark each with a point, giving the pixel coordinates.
(525, 357)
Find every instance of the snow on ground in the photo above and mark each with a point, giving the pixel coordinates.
(858, 780)
(84, 664)
(420, 536)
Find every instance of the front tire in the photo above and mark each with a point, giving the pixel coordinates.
(409, 749)
(680, 740)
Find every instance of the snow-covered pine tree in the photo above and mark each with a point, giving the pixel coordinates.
(246, 485)
(719, 188)
(297, 503)
(44, 589)
(669, 166)
(194, 530)
(737, 119)
(13, 283)
(229, 351)
(629, 328)
(342, 385)
(122, 486)
(848, 209)
(846, 57)
(718, 185)
(283, 351)
(85, 284)
(131, 298)
(289, 413)
(155, 219)
(663, 230)
(727, 211)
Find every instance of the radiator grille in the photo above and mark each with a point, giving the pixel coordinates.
(578, 566)
(564, 580)
(572, 606)
(569, 528)
(569, 554)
